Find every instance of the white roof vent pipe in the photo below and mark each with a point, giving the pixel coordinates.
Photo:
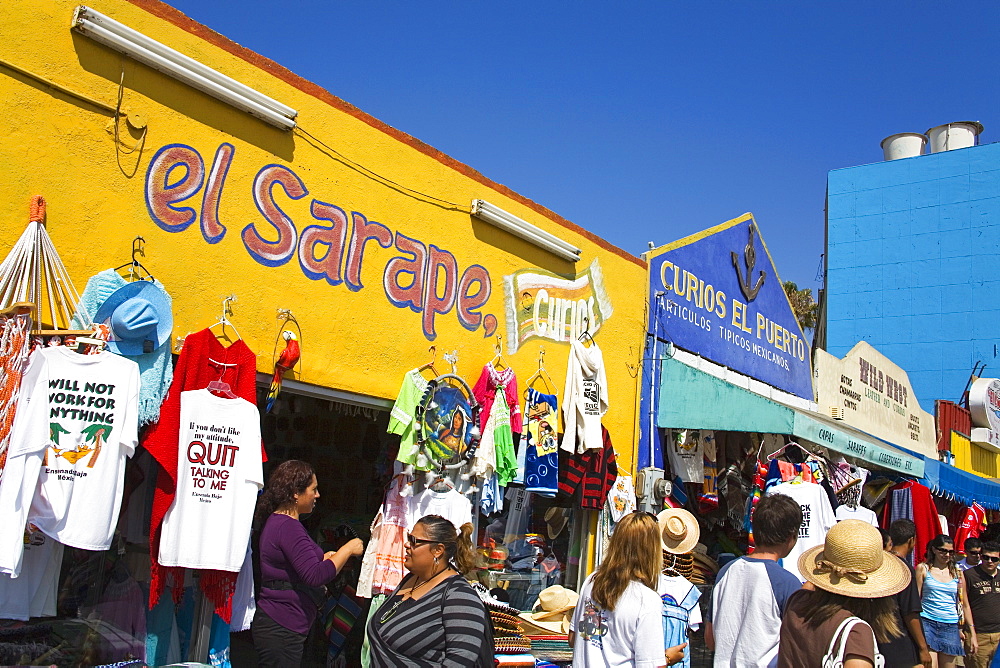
(950, 136)
(903, 145)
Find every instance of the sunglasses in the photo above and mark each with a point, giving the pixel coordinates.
(973, 553)
(413, 541)
(944, 551)
(992, 559)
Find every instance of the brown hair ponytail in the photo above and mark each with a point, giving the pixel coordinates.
(458, 549)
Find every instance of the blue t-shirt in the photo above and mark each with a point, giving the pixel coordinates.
(745, 611)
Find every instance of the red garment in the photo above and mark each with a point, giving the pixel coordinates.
(925, 515)
(485, 393)
(194, 371)
(591, 473)
(973, 523)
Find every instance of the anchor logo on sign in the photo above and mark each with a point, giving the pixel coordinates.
(749, 259)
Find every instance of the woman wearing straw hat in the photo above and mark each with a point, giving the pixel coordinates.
(850, 608)
(943, 604)
(617, 619)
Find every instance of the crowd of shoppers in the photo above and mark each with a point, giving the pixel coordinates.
(861, 606)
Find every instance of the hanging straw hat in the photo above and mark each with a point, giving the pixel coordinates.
(852, 563)
(679, 530)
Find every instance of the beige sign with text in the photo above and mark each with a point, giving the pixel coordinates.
(868, 392)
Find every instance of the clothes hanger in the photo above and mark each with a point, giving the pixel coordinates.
(585, 335)
(778, 452)
(224, 321)
(430, 365)
(542, 375)
(497, 362)
(138, 248)
(220, 386)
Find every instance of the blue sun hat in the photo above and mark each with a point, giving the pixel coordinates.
(140, 317)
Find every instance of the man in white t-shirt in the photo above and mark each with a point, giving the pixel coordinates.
(744, 616)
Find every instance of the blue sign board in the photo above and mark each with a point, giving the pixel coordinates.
(717, 294)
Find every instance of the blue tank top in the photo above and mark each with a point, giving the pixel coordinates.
(939, 600)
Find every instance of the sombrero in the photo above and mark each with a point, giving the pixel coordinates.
(851, 562)
(679, 530)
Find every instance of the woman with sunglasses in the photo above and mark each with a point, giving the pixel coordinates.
(292, 566)
(435, 617)
(943, 604)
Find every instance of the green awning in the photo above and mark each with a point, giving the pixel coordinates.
(693, 399)
(854, 443)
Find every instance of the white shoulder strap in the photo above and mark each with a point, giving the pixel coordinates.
(838, 644)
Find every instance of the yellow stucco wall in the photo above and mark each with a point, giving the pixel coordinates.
(64, 149)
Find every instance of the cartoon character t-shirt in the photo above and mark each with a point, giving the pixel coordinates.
(219, 473)
(629, 635)
(76, 423)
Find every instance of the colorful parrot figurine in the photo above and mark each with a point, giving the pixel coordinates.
(288, 359)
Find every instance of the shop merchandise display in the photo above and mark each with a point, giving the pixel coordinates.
(14, 328)
(913, 501)
(76, 424)
(541, 443)
(138, 315)
(817, 518)
(218, 477)
(449, 504)
(33, 593)
(492, 382)
(585, 398)
(589, 476)
(845, 512)
(402, 418)
(686, 452)
(973, 521)
(203, 359)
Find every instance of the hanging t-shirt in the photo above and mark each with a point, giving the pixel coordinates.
(630, 635)
(621, 498)
(76, 423)
(972, 525)
(817, 519)
(218, 476)
(686, 452)
(451, 505)
(541, 453)
(680, 611)
(585, 399)
(845, 512)
(34, 592)
(710, 458)
(402, 418)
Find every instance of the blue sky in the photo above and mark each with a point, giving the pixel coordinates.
(647, 121)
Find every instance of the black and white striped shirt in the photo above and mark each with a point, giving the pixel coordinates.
(448, 627)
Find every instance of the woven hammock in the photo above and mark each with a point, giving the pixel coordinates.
(33, 272)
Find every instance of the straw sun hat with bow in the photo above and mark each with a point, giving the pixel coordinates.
(852, 563)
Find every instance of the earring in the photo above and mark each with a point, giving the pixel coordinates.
(435, 561)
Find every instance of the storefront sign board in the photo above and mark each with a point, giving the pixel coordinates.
(870, 393)
(717, 294)
(839, 440)
(984, 403)
(549, 307)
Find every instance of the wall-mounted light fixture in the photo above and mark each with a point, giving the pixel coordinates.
(522, 228)
(160, 57)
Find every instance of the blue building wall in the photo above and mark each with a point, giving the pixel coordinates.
(913, 265)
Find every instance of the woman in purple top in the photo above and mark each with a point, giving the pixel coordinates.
(291, 563)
